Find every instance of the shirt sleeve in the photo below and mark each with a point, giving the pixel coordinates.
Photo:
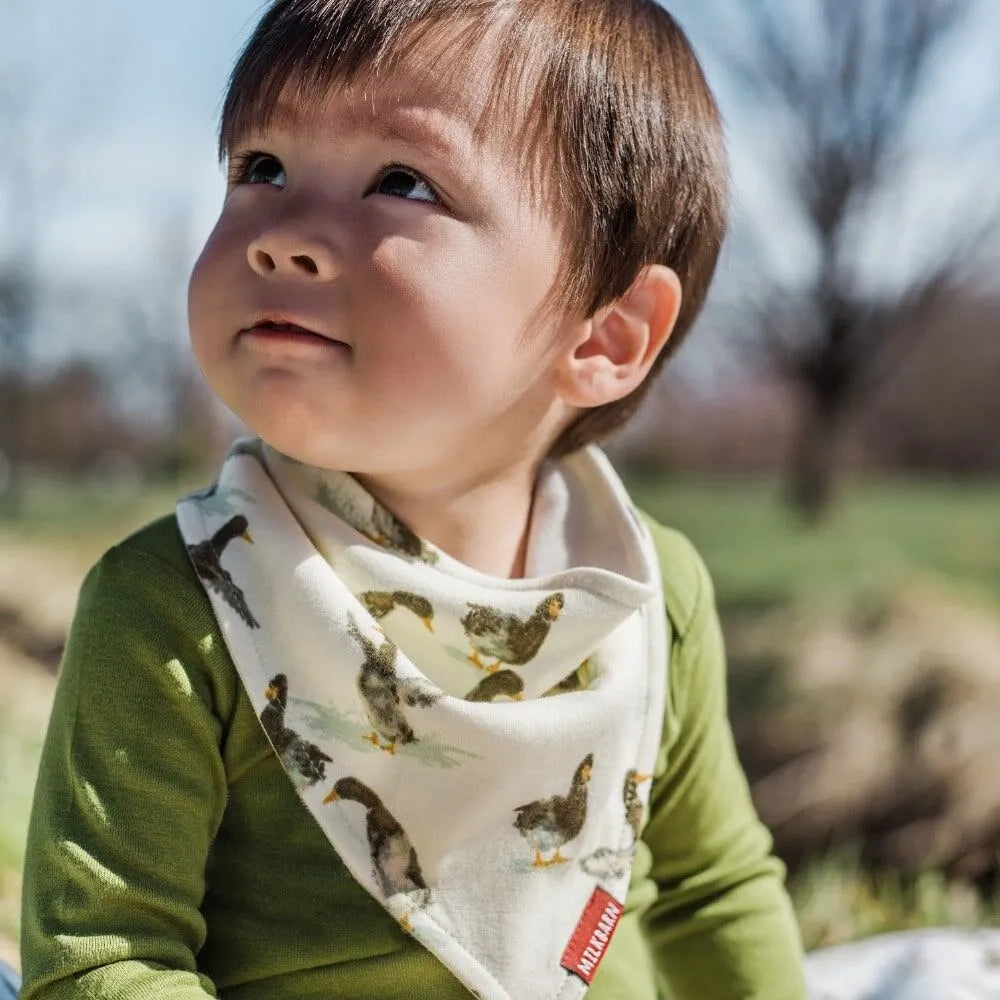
(721, 924)
(130, 792)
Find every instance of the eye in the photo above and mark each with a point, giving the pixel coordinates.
(256, 168)
(401, 181)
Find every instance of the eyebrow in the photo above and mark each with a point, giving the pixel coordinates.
(412, 131)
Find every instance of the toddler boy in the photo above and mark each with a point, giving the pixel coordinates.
(394, 708)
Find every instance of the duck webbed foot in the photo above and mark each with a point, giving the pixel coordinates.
(539, 861)
(473, 658)
(492, 668)
(372, 738)
(557, 859)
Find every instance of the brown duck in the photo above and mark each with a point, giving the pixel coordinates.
(504, 683)
(296, 753)
(393, 856)
(381, 602)
(379, 691)
(633, 804)
(579, 680)
(548, 824)
(383, 692)
(388, 531)
(509, 639)
(206, 557)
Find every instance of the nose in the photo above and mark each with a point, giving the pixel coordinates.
(284, 252)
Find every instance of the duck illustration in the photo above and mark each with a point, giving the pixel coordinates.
(608, 862)
(548, 824)
(383, 692)
(579, 680)
(252, 446)
(206, 558)
(615, 862)
(223, 500)
(393, 856)
(510, 639)
(633, 804)
(504, 683)
(388, 531)
(296, 753)
(381, 602)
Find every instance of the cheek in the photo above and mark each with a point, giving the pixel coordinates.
(207, 290)
(467, 303)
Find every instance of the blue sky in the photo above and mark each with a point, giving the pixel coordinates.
(126, 96)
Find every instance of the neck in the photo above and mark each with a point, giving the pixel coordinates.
(481, 522)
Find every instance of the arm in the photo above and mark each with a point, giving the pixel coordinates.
(721, 925)
(130, 792)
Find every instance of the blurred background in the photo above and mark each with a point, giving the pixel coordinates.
(829, 438)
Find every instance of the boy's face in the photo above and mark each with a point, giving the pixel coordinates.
(416, 269)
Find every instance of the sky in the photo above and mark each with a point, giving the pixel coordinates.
(121, 179)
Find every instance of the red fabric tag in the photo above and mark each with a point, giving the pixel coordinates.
(592, 936)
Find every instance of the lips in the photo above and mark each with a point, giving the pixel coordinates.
(286, 327)
(282, 328)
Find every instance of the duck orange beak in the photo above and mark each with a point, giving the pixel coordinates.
(428, 623)
(331, 796)
(518, 697)
(247, 537)
(640, 778)
(271, 693)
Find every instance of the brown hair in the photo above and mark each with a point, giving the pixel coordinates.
(637, 163)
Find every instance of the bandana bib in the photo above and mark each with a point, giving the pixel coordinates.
(475, 749)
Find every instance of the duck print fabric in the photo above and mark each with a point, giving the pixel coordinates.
(474, 748)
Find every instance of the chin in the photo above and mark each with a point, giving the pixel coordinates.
(292, 429)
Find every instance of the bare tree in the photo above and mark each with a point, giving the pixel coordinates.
(30, 122)
(18, 274)
(841, 83)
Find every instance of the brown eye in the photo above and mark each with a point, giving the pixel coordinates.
(258, 168)
(401, 182)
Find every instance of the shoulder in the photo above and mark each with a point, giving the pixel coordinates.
(159, 544)
(143, 604)
(687, 586)
(151, 558)
(146, 582)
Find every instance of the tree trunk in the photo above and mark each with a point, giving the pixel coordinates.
(13, 419)
(811, 474)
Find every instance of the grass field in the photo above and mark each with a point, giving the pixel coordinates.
(879, 535)
(882, 534)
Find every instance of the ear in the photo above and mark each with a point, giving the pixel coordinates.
(617, 346)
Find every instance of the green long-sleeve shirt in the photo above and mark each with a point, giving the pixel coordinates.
(169, 856)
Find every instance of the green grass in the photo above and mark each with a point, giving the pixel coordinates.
(837, 901)
(69, 507)
(881, 534)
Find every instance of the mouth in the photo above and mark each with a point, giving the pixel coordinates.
(272, 328)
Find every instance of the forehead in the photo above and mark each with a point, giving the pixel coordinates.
(406, 104)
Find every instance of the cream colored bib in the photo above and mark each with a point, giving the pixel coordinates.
(474, 748)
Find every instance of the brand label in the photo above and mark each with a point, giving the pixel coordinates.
(593, 933)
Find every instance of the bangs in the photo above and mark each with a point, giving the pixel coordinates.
(306, 49)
